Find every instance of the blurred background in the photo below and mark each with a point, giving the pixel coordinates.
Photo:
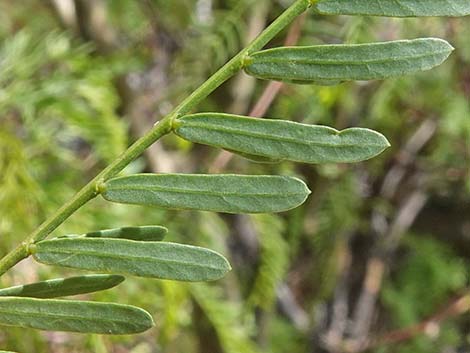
(376, 260)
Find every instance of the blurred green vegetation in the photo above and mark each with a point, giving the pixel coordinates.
(76, 89)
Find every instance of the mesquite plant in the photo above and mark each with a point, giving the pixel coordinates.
(140, 251)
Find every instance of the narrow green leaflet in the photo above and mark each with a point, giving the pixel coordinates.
(73, 316)
(331, 64)
(63, 287)
(145, 259)
(144, 233)
(394, 8)
(218, 193)
(280, 139)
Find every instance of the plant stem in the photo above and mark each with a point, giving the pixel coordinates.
(162, 128)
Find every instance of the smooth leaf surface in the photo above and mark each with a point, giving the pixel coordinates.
(394, 8)
(145, 259)
(331, 64)
(143, 233)
(218, 193)
(63, 287)
(280, 139)
(73, 316)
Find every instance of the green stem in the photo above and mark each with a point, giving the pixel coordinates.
(91, 190)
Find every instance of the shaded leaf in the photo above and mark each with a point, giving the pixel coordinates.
(252, 157)
(145, 259)
(144, 233)
(330, 64)
(394, 8)
(219, 193)
(62, 287)
(73, 316)
(280, 139)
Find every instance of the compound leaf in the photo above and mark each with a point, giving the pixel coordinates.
(73, 316)
(394, 8)
(219, 193)
(331, 64)
(144, 259)
(280, 139)
(63, 287)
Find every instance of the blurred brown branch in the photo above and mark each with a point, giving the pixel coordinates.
(430, 326)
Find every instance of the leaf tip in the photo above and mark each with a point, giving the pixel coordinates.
(228, 266)
(152, 321)
(445, 44)
(385, 141)
(117, 279)
(306, 189)
(147, 321)
(224, 266)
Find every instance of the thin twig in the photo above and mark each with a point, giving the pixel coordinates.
(430, 326)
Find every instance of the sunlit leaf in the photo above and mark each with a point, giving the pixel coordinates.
(218, 193)
(145, 259)
(62, 287)
(280, 139)
(330, 64)
(73, 316)
(394, 8)
(144, 233)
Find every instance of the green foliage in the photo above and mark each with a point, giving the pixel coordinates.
(74, 316)
(175, 310)
(273, 263)
(40, 74)
(409, 299)
(218, 193)
(144, 233)
(284, 337)
(332, 64)
(393, 8)
(145, 259)
(280, 140)
(15, 175)
(63, 287)
(68, 86)
(59, 112)
(225, 318)
(220, 38)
